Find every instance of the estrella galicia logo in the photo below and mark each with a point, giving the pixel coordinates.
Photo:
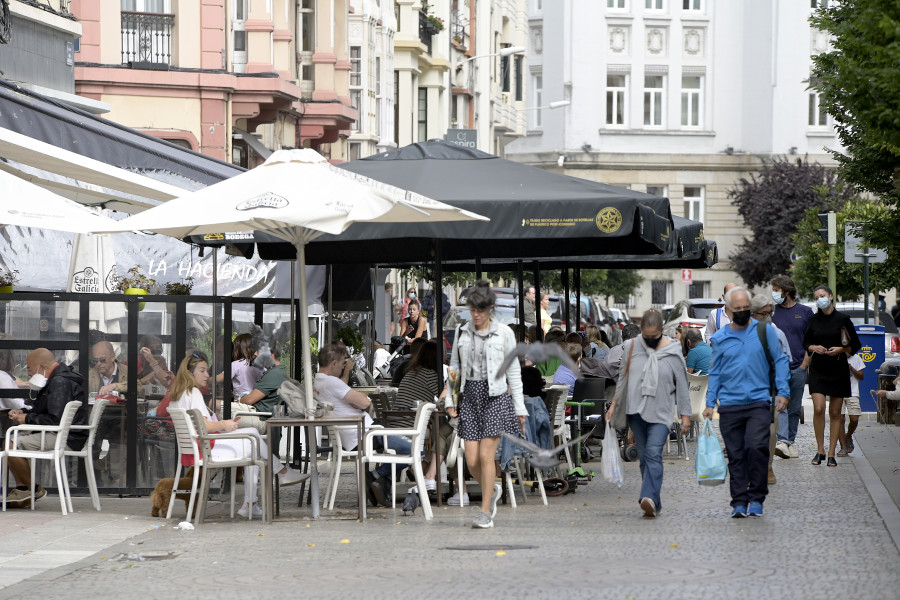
(267, 200)
(86, 281)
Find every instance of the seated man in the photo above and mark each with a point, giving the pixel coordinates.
(264, 395)
(564, 374)
(330, 386)
(56, 386)
(106, 375)
(699, 353)
(151, 364)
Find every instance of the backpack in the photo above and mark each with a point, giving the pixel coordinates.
(294, 396)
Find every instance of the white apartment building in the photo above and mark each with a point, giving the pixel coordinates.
(680, 98)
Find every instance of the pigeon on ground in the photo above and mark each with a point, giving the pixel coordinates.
(541, 458)
(538, 353)
(412, 502)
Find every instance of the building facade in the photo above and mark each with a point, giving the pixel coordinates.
(230, 78)
(679, 98)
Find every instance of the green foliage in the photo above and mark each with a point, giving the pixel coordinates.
(427, 274)
(811, 267)
(179, 288)
(349, 334)
(620, 284)
(772, 203)
(859, 84)
(8, 277)
(135, 279)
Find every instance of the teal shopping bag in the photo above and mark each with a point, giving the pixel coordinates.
(711, 467)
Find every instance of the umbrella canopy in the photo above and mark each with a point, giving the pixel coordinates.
(297, 196)
(26, 205)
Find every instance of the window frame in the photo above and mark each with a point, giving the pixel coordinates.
(690, 202)
(616, 96)
(687, 93)
(657, 100)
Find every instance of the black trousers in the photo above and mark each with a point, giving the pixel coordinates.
(745, 430)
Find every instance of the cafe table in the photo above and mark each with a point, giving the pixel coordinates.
(279, 422)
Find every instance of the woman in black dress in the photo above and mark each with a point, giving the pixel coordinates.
(413, 326)
(830, 338)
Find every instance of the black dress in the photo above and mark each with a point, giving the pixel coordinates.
(830, 375)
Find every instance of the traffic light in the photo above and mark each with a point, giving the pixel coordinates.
(829, 222)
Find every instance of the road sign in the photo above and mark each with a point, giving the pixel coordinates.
(854, 245)
(687, 276)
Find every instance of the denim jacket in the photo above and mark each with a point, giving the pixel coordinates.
(499, 343)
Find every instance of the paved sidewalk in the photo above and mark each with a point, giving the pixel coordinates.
(823, 536)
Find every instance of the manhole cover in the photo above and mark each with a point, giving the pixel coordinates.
(489, 548)
(147, 556)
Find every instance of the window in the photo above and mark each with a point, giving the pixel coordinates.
(653, 100)
(356, 103)
(506, 82)
(691, 101)
(519, 86)
(354, 153)
(658, 190)
(396, 99)
(378, 76)
(239, 37)
(615, 99)
(356, 65)
(817, 4)
(693, 5)
(699, 289)
(147, 6)
(660, 292)
(655, 4)
(422, 117)
(693, 203)
(818, 117)
(538, 98)
(619, 4)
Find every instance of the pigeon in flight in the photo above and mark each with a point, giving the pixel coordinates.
(538, 353)
(541, 458)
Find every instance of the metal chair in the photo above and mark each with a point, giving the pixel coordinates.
(54, 454)
(86, 453)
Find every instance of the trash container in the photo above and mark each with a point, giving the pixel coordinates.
(872, 354)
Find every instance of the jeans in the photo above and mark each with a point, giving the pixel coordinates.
(649, 438)
(398, 444)
(789, 420)
(745, 430)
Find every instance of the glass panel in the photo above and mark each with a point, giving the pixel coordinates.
(620, 108)
(240, 41)
(615, 81)
(657, 114)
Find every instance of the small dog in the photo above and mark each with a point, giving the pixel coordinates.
(162, 493)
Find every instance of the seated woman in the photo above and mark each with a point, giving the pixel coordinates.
(243, 374)
(420, 384)
(152, 367)
(593, 345)
(193, 373)
(413, 326)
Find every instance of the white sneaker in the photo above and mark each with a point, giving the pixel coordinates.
(291, 477)
(244, 510)
(782, 450)
(104, 449)
(454, 500)
(430, 485)
(792, 450)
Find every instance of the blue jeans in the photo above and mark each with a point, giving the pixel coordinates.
(789, 420)
(649, 438)
(396, 443)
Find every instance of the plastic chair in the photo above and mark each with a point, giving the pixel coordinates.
(86, 453)
(456, 453)
(416, 436)
(338, 454)
(188, 455)
(556, 407)
(697, 384)
(55, 454)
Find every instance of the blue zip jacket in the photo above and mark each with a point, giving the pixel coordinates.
(739, 372)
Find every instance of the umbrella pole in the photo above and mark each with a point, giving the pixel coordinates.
(215, 324)
(312, 442)
(293, 320)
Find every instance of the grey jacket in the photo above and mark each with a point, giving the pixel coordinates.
(672, 385)
(501, 342)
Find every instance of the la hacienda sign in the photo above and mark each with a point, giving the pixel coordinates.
(197, 270)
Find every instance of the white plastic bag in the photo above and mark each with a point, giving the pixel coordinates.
(611, 462)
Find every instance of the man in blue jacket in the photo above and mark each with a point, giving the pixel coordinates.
(739, 380)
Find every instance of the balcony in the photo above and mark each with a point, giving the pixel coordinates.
(427, 28)
(147, 38)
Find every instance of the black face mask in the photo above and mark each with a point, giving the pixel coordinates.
(652, 342)
(741, 317)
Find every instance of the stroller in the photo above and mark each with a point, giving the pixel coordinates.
(389, 366)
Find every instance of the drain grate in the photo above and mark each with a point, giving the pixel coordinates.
(147, 556)
(490, 548)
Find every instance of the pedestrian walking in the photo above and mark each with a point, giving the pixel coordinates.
(655, 390)
(491, 401)
(830, 338)
(851, 406)
(739, 380)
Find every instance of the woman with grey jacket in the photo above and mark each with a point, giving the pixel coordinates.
(655, 382)
(491, 401)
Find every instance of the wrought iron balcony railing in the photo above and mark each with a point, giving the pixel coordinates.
(147, 37)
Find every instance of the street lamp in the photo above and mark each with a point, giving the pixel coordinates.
(508, 51)
(551, 106)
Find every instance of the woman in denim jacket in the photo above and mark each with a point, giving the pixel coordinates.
(491, 401)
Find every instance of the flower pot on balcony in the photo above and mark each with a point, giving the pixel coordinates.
(137, 292)
(6, 289)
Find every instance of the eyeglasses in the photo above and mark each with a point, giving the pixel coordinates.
(102, 360)
(765, 313)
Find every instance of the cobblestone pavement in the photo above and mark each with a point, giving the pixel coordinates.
(822, 537)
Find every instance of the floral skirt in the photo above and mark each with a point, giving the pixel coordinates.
(482, 416)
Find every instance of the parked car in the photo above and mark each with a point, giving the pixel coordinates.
(693, 312)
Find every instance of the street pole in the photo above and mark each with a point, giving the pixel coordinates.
(832, 272)
(866, 285)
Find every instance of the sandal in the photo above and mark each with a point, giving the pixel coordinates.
(842, 453)
(817, 459)
(831, 462)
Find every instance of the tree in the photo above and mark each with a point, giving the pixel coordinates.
(772, 203)
(859, 85)
(811, 267)
(620, 284)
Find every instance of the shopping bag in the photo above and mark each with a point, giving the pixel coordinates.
(711, 467)
(611, 462)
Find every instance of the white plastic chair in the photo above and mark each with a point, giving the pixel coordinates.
(185, 437)
(416, 436)
(86, 452)
(456, 453)
(54, 454)
(522, 466)
(556, 400)
(697, 384)
(338, 454)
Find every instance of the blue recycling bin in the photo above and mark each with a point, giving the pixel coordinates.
(872, 354)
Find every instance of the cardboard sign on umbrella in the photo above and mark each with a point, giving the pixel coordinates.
(295, 195)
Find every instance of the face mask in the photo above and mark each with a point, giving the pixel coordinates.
(412, 295)
(741, 317)
(652, 342)
(823, 303)
(777, 297)
(37, 381)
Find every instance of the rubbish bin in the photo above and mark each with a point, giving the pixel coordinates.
(872, 354)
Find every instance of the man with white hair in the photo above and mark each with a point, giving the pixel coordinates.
(739, 381)
(720, 317)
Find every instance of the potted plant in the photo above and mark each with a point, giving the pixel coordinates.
(135, 283)
(437, 23)
(7, 280)
(177, 288)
